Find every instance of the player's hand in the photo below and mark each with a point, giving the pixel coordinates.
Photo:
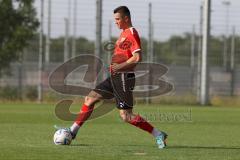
(114, 68)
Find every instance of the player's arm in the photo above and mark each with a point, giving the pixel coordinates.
(130, 63)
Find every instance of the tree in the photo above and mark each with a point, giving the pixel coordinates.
(17, 27)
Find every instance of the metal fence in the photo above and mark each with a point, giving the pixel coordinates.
(159, 24)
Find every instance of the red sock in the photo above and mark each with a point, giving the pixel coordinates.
(139, 122)
(84, 114)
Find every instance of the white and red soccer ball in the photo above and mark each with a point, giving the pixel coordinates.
(62, 137)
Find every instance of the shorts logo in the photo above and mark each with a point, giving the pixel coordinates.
(121, 104)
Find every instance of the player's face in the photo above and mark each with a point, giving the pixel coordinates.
(120, 21)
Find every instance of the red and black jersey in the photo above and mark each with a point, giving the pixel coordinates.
(127, 44)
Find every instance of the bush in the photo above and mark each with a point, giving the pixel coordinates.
(9, 93)
(31, 93)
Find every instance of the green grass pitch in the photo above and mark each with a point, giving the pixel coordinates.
(195, 133)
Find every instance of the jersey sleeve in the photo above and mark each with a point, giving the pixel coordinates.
(136, 43)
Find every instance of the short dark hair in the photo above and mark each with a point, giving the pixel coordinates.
(123, 10)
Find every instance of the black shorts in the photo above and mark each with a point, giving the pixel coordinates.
(119, 86)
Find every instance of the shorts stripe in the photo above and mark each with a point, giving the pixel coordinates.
(123, 82)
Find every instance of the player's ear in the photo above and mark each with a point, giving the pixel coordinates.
(126, 18)
(129, 19)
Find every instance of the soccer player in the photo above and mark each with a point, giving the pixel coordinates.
(119, 85)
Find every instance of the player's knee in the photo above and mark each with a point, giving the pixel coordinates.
(124, 117)
(90, 101)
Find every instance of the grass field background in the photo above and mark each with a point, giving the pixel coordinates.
(211, 133)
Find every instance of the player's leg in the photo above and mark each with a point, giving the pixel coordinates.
(86, 111)
(123, 85)
(102, 91)
(123, 90)
(128, 116)
(136, 120)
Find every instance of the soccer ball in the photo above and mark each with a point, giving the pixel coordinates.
(62, 137)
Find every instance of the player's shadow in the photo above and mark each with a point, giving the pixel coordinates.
(202, 147)
(82, 145)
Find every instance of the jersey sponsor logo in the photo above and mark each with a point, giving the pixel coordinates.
(125, 45)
